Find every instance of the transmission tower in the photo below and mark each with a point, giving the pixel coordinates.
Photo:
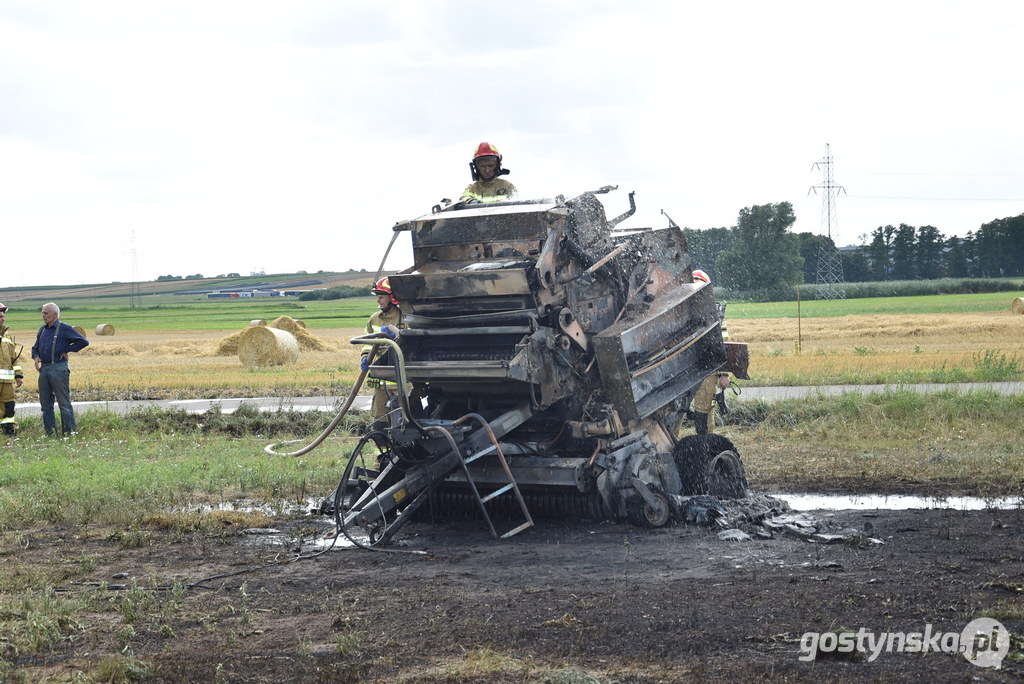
(830, 264)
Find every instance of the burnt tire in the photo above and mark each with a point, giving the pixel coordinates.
(642, 515)
(710, 464)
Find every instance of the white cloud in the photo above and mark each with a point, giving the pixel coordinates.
(236, 136)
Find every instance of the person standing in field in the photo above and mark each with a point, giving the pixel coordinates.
(10, 375)
(54, 341)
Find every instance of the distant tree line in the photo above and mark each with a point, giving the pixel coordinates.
(760, 257)
(194, 276)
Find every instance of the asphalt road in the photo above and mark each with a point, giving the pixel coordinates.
(362, 403)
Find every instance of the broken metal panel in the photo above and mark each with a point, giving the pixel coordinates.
(649, 361)
(411, 288)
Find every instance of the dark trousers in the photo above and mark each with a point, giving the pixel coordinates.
(8, 421)
(55, 384)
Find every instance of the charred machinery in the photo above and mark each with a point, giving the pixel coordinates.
(548, 359)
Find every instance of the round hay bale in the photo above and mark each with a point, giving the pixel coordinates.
(104, 329)
(257, 322)
(267, 346)
(1018, 305)
(80, 330)
(285, 323)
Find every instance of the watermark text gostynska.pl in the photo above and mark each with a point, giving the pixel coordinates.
(983, 642)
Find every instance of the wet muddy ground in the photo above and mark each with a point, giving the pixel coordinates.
(561, 602)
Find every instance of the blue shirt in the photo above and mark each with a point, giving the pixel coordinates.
(52, 342)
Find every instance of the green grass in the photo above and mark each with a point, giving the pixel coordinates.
(120, 469)
(891, 442)
(925, 304)
(178, 313)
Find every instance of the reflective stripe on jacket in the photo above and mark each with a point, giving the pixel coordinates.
(494, 190)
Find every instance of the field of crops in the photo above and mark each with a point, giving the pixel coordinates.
(169, 349)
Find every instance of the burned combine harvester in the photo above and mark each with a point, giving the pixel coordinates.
(552, 356)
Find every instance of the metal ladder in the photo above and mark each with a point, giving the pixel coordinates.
(511, 486)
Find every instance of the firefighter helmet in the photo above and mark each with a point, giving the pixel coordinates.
(383, 287)
(486, 149)
(3, 308)
(701, 275)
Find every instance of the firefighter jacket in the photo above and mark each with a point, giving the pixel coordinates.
(494, 190)
(10, 370)
(375, 325)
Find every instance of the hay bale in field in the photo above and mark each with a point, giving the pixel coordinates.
(104, 329)
(80, 330)
(229, 345)
(307, 342)
(267, 346)
(301, 323)
(310, 343)
(256, 322)
(285, 323)
(1017, 306)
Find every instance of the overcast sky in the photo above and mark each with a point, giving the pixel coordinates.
(139, 139)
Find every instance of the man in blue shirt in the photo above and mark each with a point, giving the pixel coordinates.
(54, 341)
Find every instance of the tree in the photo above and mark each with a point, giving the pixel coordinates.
(879, 252)
(810, 246)
(705, 246)
(957, 257)
(855, 265)
(930, 243)
(1000, 247)
(762, 254)
(903, 252)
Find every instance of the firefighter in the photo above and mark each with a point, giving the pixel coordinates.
(10, 375)
(387, 320)
(487, 187)
(704, 400)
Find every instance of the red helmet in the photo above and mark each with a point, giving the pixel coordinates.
(486, 149)
(383, 287)
(701, 275)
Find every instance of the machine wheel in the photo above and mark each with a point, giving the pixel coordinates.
(642, 515)
(344, 497)
(710, 464)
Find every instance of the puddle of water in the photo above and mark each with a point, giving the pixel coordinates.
(895, 502)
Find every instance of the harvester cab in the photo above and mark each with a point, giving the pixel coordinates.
(554, 352)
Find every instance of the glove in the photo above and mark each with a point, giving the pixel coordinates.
(391, 331)
(364, 364)
(723, 407)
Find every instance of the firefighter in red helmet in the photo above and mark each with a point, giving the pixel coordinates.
(487, 185)
(388, 320)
